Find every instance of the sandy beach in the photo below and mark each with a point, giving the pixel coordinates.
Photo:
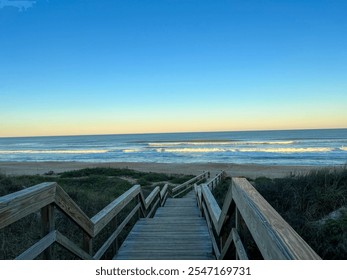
(236, 170)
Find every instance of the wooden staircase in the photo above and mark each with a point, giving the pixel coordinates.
(177, 231)
(193, 227)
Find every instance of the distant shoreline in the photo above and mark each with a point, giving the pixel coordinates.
(237, 170)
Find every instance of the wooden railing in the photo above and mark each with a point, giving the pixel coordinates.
(46, 197)
(274, 237)
(187, 186)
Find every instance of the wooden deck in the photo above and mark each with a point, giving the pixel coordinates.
(177, 231)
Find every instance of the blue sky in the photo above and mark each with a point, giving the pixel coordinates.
(103, 67)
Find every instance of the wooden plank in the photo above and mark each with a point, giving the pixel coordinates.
(74, 212)
(115, 234)
(189, 182)
(226, 246)
(71, 246)
(35, 250)
(240, 249)
(164, 256)
(225, 210)
(17, 205)
(151, 197)
(212, 205)
(154, 207)
(101, 219)
(163, 194)
(215, 181)
(209, 226)
(275, 238)
(47, 225)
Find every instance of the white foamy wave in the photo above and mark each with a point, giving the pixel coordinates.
(288, 150)
(131, 150)
(343, 149)
(245, 150)
(195, 143)
(54, 152)
(192, 150)
(270, 142)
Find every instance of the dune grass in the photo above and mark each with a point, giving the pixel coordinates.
(314, 204)
(308, 202)
(92, 189)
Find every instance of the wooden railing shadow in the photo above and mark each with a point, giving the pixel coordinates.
(274, 237)
(47, 197)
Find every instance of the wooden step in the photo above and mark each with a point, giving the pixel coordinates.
(177, 231)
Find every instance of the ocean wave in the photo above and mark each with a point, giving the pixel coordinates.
(246, 150)
(343, 149)
(218, 143)
(191, 150)
(288, 150)
(270, 142)
(195, 143)
(7, 152)
(131, 150)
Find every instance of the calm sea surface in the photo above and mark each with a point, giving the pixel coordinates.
(291, 147)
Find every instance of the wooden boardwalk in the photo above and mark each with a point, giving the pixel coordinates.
(177, 231)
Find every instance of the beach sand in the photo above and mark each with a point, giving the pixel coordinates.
(251, 171)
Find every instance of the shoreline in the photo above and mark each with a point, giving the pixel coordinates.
(251, 171)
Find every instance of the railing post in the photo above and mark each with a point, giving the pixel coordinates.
(116, 243)
(47, 225)
(88, 243)
(237, 226)
(141, 209)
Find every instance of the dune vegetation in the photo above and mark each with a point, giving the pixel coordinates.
(314, 204)
(91, 189)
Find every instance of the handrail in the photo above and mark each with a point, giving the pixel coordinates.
(43, 196)
(275, 238)
(180, 189)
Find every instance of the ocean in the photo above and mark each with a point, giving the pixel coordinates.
(286, 147)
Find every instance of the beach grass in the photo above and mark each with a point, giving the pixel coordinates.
(314, 204)
(91, 189)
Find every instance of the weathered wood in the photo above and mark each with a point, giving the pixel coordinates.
(101, 219)
(115, 234)
(209, 225)
(240, 249)
(226, 246)
(164, 194)
(185, 184)
(20, 204)
(40, 246)
(275, 238)
(164, 256)
(215, 181)
(87, 243)
(154, 207)
(228, 201)
(47, 225)
(212, 205)
(152, 196)
(175, 232)
(74, 212)
(71, 246)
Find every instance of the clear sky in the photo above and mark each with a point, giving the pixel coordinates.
(115, 66)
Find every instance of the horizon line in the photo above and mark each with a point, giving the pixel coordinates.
(173, 132)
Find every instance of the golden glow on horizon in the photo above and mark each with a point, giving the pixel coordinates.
(198, 124)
